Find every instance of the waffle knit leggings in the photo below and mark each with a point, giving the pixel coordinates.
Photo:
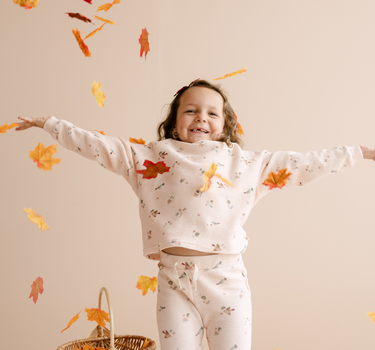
(203, 292)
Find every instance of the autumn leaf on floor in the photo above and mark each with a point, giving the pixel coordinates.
(139, 141)
(372, 316)
(143, 40)
(5, 127)
(43, 156)
(240, 130)
(232, 74)
(97, 315)
(153, 169)
(106, 7)
(99, 95)
(36, 287)
(277, 180)
(105, 20)
(36, 219)
(94, 32)
(81, 44)
(78, 16)
(145, 283)
(75, 318)
(27, 4)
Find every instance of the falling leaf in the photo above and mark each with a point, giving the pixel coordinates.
(97, 315)
(277, 180)
(5, 127)
(36, 287)
(75, 318)
(222, 178)
(139, 141)
(81, 44)
(143, 40)
(27, 4)
(100, 132)
(207, 176)
(94, 32)
(43, 156)
(35, 218)
(89, 1)
(106, 7)
(372, 316)
(240, 130)
(105, 20)
(78, 16)
(153, 169)
(145, 283)
(99, 95)
(231, 74)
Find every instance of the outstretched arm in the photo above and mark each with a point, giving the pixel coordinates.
(368, 153)
(30, 122)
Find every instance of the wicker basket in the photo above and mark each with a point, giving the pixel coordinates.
(107, 339)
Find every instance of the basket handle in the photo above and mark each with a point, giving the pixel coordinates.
(112, 338)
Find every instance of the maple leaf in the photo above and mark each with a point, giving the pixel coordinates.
(97, 315)
(78, 16)
(75, 318)
(36, 219)
(240, 130)
(106, 7)
(27, 4)
(139, 141)
(43, 156)
(99, 95)
(145, 283)
(153, 169)
(36, 287)
(207, 176)
(94, 32)
(143, 40)
(372, 316)
(89, 1)
(5, 127)
(81, 44)
(277, 180)
(232, 74)
(105, 20)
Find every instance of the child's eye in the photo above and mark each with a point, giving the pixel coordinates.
(213, 114)
(190, 111)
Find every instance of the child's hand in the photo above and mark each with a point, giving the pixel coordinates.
(29, 122)
(368, 153)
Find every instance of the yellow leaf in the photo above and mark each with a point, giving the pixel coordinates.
(5, 127)
(105, 20)
(99, 95)
(35, 218)
(97, 315)
(75, 318)
(207, 176)
(231, 74)
(372, 316)
(145, 283)
(139, 141)
(94, 32)
(43, 156)
(27, 4)
(225, 180)
(106, 7)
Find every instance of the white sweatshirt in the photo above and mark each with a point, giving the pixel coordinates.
(173, 210)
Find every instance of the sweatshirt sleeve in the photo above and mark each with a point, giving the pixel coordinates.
(112, 153)
(303, 167)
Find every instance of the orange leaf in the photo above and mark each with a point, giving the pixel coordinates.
(36, 219)
(143, 40)
(106, 7)
(153, 169)
(100, 132)
(105, 20)
(207, 176)
(97, 315)
(372, 316)
(75, 318)
(36, 287)
(43, 156)
(81, 44)
(231, 74)
(145, 283)
(139, 141)
(27, 4)
(240, 130)
(277, 180)
(94, 32)
(5, 127)
(99, 95)
(78, 16)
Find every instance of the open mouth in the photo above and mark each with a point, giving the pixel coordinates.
(199, 130)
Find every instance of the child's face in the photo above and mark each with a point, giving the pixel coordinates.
(200, 115)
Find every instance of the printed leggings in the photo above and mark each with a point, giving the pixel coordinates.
(203, 292)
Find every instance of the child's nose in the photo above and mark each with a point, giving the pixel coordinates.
(201, 117)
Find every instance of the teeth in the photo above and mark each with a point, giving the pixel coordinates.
(200, 130)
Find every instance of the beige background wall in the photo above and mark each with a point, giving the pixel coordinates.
(309, 86)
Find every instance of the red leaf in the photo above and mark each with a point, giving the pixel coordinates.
(36, 287)
(143, 40)
(78, 16)
(89, 1)
(153, 169)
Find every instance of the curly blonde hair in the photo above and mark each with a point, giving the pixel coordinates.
(230, 131)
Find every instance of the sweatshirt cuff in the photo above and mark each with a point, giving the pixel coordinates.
(356, 153)
(48, 125)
